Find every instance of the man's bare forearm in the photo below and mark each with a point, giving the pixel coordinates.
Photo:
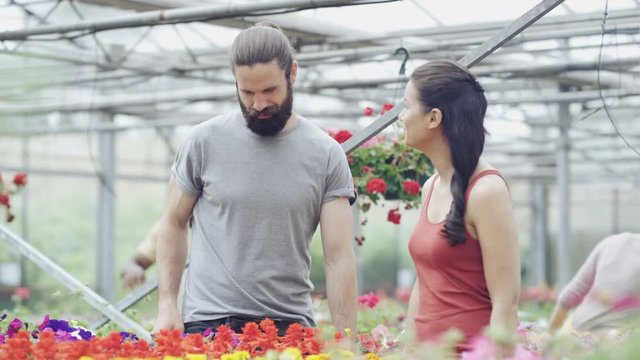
(171, 258)
(342, 292)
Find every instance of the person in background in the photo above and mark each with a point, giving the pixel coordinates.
(257, 182)
(132, 273)
(465, 244)
(605, 292)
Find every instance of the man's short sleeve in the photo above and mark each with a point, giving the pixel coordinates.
(187, 167)
(339, 181)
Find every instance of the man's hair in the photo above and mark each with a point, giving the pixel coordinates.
(260, 44)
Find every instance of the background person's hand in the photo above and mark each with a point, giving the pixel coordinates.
(132, 275)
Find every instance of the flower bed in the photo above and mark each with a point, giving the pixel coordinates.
(379, 336)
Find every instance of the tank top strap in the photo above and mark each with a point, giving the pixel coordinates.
(480, 175)
(428, 199)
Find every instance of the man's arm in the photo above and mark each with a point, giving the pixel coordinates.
(171, 256)
(339, 263)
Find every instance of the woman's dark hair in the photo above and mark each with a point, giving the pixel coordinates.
(453, 90)
(260, 44)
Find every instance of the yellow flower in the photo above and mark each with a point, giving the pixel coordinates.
(85, 358)
(371, 356)
(167, 357)
(236, 355)
(196, 357)
(318, 357)
(291, 354)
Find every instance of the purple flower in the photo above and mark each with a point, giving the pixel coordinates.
(2, 336)
(44, 323)
(86, 334)
(207, 332)
(62, 335)
(14, 326)
(59, 325)
(127, 336)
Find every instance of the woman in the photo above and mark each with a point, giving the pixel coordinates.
(605, 292)
(464, 245)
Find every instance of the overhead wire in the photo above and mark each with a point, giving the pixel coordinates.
(604, 103)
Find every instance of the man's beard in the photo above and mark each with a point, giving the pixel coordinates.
(278, 116)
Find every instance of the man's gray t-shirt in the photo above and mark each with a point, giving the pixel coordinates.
(259, 202)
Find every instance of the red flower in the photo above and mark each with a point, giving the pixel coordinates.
(411, 187)
(4, 200)
(386, 107)
(367, 169)
(376, 185)
(368, 111)
(21, 292)
(342, 136)
(394, 216)
(369, 300)
(20, 179)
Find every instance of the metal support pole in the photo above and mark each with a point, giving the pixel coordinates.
(563, 254)
(175, 16)
(88, 295)
(539, 233)
(24, 217)
(105, 267)
(615, 211)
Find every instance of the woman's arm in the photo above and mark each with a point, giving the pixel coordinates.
(490, 215)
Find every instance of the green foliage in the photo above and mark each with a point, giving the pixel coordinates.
(394, 163)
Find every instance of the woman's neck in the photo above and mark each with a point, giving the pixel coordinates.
(440, 156)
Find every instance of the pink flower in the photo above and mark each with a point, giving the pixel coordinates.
(369, 300)
(368, 111)
(22, 293)
(626, 303)
(371, 142)
(481, 348)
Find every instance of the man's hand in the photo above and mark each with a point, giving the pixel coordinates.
(168, 318)
(132, 275)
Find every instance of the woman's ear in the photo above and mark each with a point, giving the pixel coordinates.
(434, 118)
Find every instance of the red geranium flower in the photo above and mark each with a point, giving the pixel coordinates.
(394, 216)
(411, 187)
(4, 200)
(367, 169)
(20, 179)
(342, 136)
(386, 107)
(376, 185)
(368, 111)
